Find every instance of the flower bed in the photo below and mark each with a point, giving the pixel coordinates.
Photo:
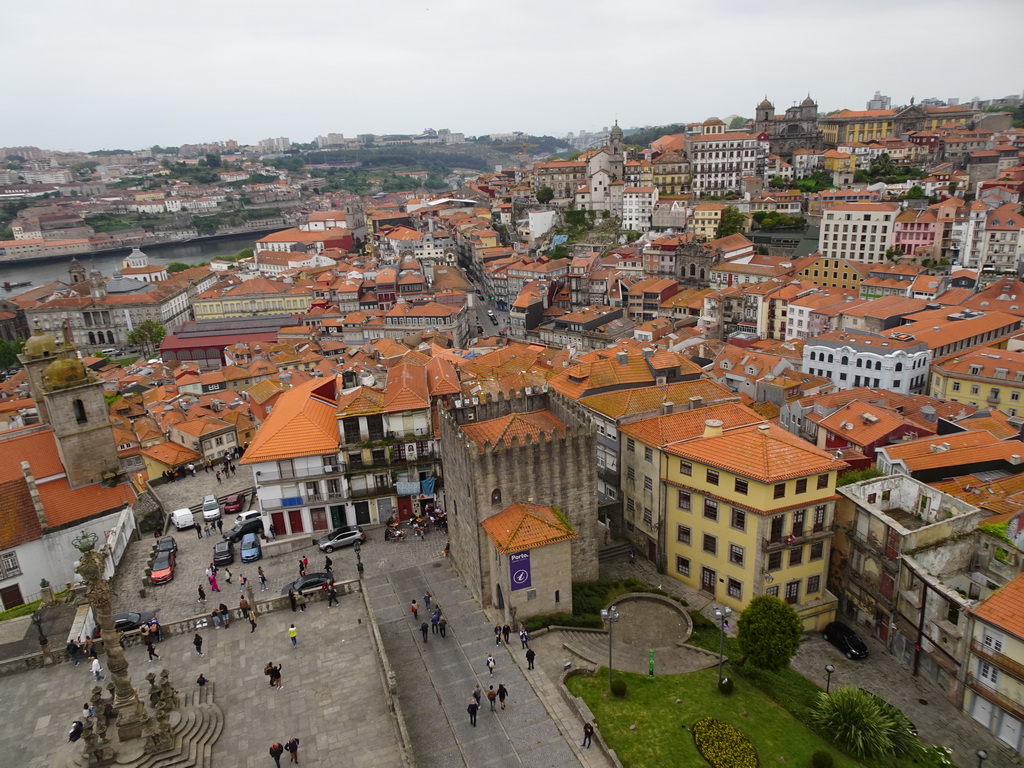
(722, 745)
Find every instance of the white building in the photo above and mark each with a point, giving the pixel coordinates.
(863, 360)
(719, 160)
(638, 205)
(858, 231)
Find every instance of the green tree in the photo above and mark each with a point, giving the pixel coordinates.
(769, 633)
(915, 193)
(545, 195)
(148, 334)
(9, 351)
(738, 122)
(177, 266)
(857, 475)
(213, 160)
(865, 725)
(732, 222)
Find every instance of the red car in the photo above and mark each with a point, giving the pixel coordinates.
(234, 503)
(163, 568)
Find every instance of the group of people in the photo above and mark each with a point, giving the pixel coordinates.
(291, 747)
(494, 697)
(438, 624)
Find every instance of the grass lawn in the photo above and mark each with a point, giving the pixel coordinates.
(659, 740)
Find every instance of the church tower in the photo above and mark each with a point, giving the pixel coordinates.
(76, 272)
(615, 150)
(70, 401)
(97, 287)
(764, 114)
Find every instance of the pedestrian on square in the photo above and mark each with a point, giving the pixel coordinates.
(90, 649)
(271, 532)
(301, 599)
(220, 524)
(225, 615)
(202, 594)
(478, 693)
(97, 670)
(276, 750)
(302, 569)
(263, 579)
(292, 748)
(332, 596)
(215, 617)
(423, 629)
(293, 635)
(490, 663)
(150, 650)
(305, 564)
(292, 599)
(434, 619)
(506, 632)
(243, 606)
(275, 676)
(530, 656)
(415, 608)
(588, 734)
(473, 707)
(206, 530)
(427, 597)
(192, 469)
(233, 471)
(227, 575)
(73, 651)
(242, 583)
(502, 694)
(197, 641)
(156, 630)
(202, 680)
(329, 564)
(524, 638)
(497, 634)
(492, 697)
(199, 531)
(218, 476)
(251, 616)
(213, 583)
(442, 625)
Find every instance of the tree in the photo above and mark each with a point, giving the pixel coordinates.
(865, 725)
(732, 222)
(9, 351)
(915, 193)
(177, 266)
(148, 334)
(213, 160)
(738, 122)
(545, 195)
(769, 633)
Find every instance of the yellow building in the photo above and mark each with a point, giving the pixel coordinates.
(833, 273)
(849, 125)
(733, 506)
(258, 296)
(706, 218)
(994, 694)
(985, 378)
(840, 162)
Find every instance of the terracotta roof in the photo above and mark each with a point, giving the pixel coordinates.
(964, 448)
(303, 422)
(64, 504)
(38, 448)
(525, 526)
(663, 431)
(360, 402)
(171, 454)
(506, 429)
(1005, 608)
(865, 423)
(442, 378)
(18, 520)
(406, 388)
(626, 402)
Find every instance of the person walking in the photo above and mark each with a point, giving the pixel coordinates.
(497, 634)
(442, 625)
(202, 594)
(263, 579)
(227, 575)
(293, 635)
(197, 641)
(478, 693)
(530, 656)
(275, 677)
(490, 663)
(218, 477)
(202, 680)
(220, 529)
(588, 734)
(73, 651)
(434, 619)
(332, 596)
(151, 651)
(305, 563)
(301, 599)
(423, 629)
(90, 649)
(225, 615)
(502, 694)
(276, 750)
(427, 597)
(292, 748)
(206, 530)
(415, 608)
(199, 531)
(243, 607)
(242, 583)
(97, 670)
(473, 708)
(329, 565)
(292, 599)
(506, 632)
(302, 569)
(251, 616)
(492, 697)
(524, 637)
(213, 583)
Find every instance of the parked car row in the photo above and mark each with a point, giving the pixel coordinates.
(183, 519)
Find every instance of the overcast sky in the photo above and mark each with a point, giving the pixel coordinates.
(112, 74)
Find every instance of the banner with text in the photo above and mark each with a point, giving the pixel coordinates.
(519, 570)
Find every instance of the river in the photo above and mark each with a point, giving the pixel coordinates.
(195, 252)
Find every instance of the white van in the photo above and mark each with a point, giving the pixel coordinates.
(109, 351)
(182, 519)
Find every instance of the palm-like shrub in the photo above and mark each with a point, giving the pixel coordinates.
(865, 725)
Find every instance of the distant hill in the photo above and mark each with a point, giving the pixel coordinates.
(647, 135)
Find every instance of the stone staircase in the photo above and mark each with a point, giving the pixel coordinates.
(199, 726)
(592, 647)
(614, 551)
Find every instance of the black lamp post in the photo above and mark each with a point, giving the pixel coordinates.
(829, 669)
(722, 614)
(611, 615)
(359, 560)
(37, 619)
(982, 757)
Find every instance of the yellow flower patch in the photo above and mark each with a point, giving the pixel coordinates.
(722, 745)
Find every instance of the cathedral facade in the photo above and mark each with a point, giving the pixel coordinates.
(797, 128)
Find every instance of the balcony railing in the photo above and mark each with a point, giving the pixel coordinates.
(395, 458)
(409, 434)
(793, 540)
(364, 493)
(1011, 666)
(294, 502)
(1012, 706)
(276, 475)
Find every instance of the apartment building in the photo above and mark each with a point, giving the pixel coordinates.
(858, 231)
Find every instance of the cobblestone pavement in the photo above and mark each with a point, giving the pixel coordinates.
(189, 491)
(332, 698)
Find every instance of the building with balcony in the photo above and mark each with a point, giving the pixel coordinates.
(986, 377)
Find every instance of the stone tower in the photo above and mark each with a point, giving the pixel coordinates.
(553, 466)
(76, 272)
(97, 287)
(764, 114)
(70, 401)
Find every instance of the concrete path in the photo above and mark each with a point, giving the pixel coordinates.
(436, 678)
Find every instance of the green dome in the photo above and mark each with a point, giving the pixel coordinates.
(64, 372)
(40, 344)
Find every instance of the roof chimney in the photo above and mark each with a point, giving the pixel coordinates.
(1015, 459)
(764, 428)
(622, 357)
(712, 427)
(666, 408)
(648, 353)
(696, 402)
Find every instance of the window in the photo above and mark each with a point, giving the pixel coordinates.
(685, 468)
(683, 534)
(9, 565)
(648, 484)
(956, 386)
(974, 389)
(648, 517)
(792, 592)
(774, 561)
(742, 486)
(630, 474)
(710, 509)
(648, 454)
(801, 485)
(953, 614)
(713, 476)
(1015, 395)
(989, 674)
(773, 591)
(822, 482)
(710, 544)
(738, 519)
(631, 445)
(735, 589)
(79, 408)
(796, 556)
(813, 585)
(817, 550)
(992, 642)
(736, 554)
(780, 491)
(496, 496)
(682, 566)
(630, 506)
(683, 499)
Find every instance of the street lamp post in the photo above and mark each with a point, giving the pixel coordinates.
(611, 615)
(722, 614)
(359, 560)
(829, 669)
(982, 757)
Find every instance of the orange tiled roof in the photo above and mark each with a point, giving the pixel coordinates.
(38, 448)
(302, 423)
(644, 399)
(1005, 608)
(64, 504)
(406, 388)
(360, 402)
(524, 526)
(18, 520)
(686, 425)
(964, 448)
(506, 429)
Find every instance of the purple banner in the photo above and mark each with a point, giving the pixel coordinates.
(519, 570)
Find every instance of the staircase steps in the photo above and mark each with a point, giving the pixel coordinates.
(613, 551)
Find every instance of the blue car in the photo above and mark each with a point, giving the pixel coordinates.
(250, 549)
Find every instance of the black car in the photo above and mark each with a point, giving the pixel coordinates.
(223, 553)
(166, 544)
(846, 640)
(309, 581)
(242, 527)
(126, 622)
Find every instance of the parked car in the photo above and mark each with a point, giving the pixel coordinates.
(341, 537)
(211, 508)
(252, 514)
(166, 544)
(250, 550)
(494, 319)
(309, 581)
(163, 568)
(129, 620)
(846, 640)
(242, 527)
(234, 503)
(183, 519)
(223, 553)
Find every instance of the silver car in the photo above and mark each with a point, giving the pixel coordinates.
(211, 508)
(341, 537)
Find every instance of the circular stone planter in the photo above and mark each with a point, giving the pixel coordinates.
(652, 621)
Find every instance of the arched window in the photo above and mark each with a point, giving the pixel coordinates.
(831, 359)
(899, 366)
(110, 337)
(79, 407)
(859, 364)
(702, 273)
(813, 356)
(845, 360)
(92, 337)
(496, 496)
(693, 270)
(878, 365)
